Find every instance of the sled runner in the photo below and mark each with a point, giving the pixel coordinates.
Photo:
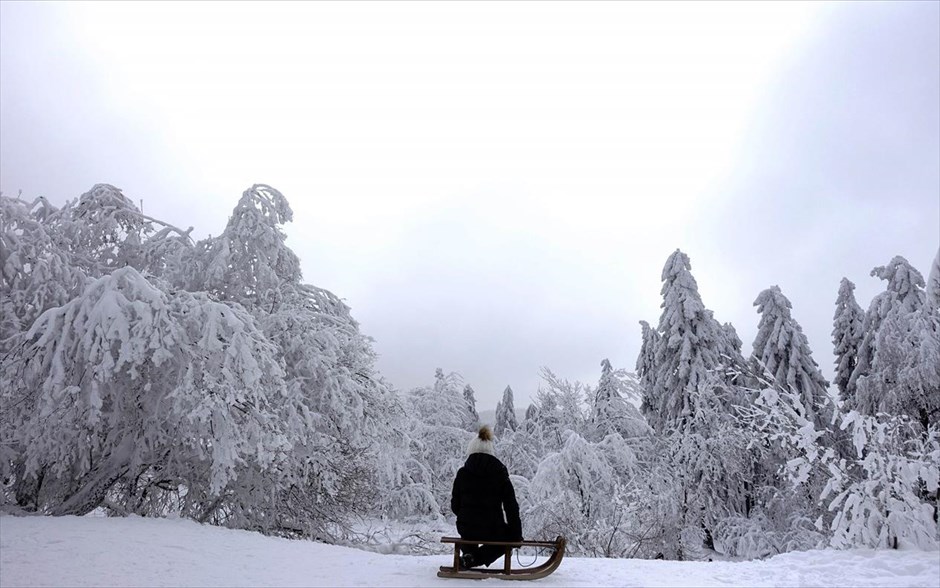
(506, 572)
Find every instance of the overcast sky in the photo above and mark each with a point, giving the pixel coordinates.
(495, 187)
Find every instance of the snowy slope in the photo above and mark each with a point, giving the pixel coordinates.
(73, 551)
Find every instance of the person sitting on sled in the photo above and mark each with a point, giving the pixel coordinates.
(482, 493)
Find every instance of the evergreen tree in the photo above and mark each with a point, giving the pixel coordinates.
(846, 334)
(473, 419)
(891, 336)
(688, 348)
(691, 384)
(646, 370)
(532, 420)
(916, 392)
(736, 368)
(531, 414)
(610, 411)
(505, 414)
(920, 374)
(933, 285)
(782, 351)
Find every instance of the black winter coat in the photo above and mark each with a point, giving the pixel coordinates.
(482, 492)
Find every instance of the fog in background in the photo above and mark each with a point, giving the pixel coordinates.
(495, 187)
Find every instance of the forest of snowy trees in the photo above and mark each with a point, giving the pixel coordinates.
(147, 373)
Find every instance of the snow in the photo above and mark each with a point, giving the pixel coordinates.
(134, 551)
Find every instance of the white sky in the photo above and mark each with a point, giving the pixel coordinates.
(494, 187)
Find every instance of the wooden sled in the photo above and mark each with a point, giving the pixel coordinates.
(506, 572)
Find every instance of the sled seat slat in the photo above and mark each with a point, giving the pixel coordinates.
(511, 544)
(507, 573)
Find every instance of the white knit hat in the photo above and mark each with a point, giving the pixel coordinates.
(482, 443)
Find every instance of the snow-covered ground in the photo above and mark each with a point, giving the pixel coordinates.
(89, 551)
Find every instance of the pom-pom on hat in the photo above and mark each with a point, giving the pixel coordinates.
(482, 443)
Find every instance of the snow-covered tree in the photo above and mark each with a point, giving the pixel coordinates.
(473, 420)
(250, 261)
(437, 434)
(879, 499)
(919, 377)
(156, 390)
(441, 404)
(880, 494)
(781, 349)
(506, 422)
(36, 268)
(733, 342)
(352, 414)
(531, 413)
(578, 492)
(688, 348)
(560, 406)
(903, 295)
(646, 360)
(48, 253)
(846, 334)
(933, 285)
(611, 411)
(329, 413)
(916, 388)
(784, 513)
(895, 328)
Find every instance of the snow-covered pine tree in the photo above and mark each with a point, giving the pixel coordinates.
(920, 373)
(606, 398)
(732, 340)
(611, 412)
(692, 384)
(531, 416)
(782, 351)
(846, 335)
(646, 371)
(506, 422)
(917, 388)
(933, 285)
(736, 370)
(903, 295)
(688, 348)
(522, 451)
(469, 397)
(892, 334)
